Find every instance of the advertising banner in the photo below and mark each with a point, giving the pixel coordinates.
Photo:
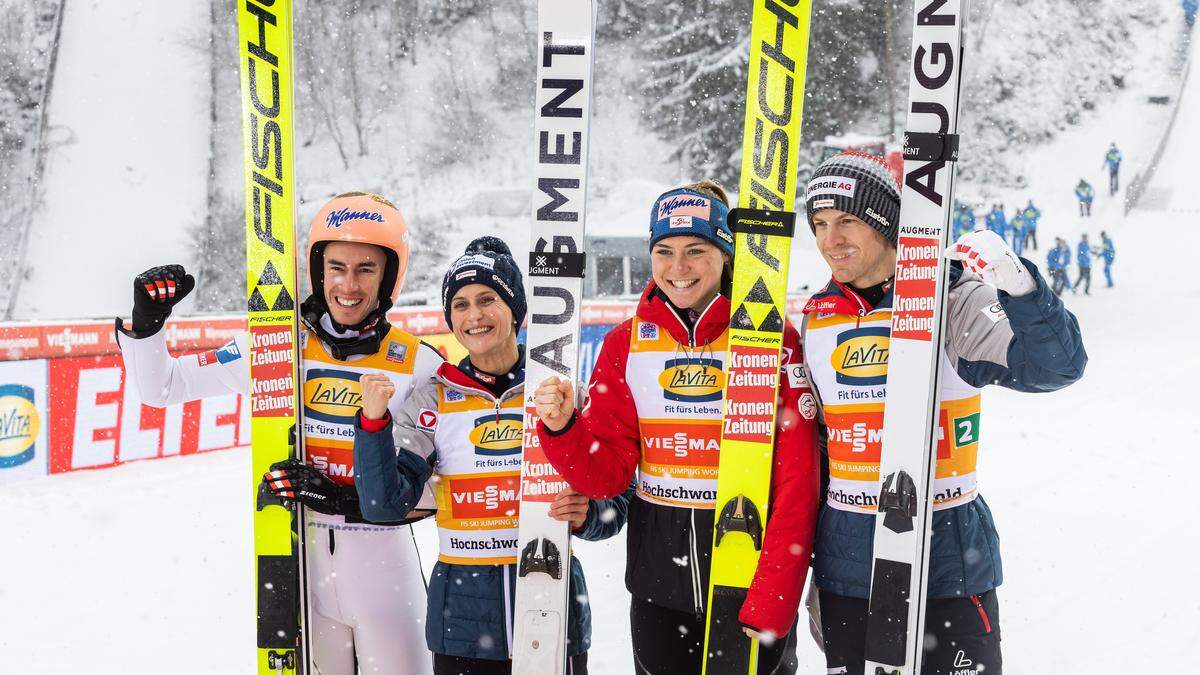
(23, 446)
(96, 421)
(65, 406)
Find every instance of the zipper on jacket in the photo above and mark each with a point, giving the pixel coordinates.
(987, 623)
(694, 567)
(691, 335)
(691, 332)
(508, 610)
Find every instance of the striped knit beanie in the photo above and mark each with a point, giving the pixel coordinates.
(859, 184)
(488, 261)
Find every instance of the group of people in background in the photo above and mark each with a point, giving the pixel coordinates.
(1059, 259)
(1020, 231)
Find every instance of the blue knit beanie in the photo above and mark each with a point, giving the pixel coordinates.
(689, 212)
(486, 261)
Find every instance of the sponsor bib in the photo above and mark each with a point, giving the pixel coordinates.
(848, 361)
(679, 404)
(478, 485)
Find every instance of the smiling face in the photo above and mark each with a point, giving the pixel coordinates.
(688, 269)
(482, 322)
(856, 253)
(352, 275)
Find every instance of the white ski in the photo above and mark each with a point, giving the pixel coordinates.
(554, 290)
(899, 572)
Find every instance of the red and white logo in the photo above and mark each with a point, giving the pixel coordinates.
(916, 287)
(427, 419)
(808, 406)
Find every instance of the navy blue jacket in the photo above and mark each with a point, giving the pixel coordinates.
(1083, 254)
(1044, 353)
(470, 606)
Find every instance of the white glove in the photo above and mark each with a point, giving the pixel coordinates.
(990, 258)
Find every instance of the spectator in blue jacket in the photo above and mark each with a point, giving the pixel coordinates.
(1107, 252)
(1052, 267)
(989, 220)
(1064, 263)
(964, 221)
(1031, 215)
(1017, 226)
(1189, 12)
(1085, 194)
(996, 222)
(1056, 266)
(1083, 258)
(1112, 161)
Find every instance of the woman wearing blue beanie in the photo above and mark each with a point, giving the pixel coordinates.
(466, 426)
(654, 412)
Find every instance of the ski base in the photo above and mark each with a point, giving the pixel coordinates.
(729, 650)
(544, 649)
(554, 288)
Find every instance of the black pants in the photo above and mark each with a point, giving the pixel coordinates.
(1085, 208)
(962, 635)
(1113, 183)
(1085, 278)
(1031, 236)
(667, 642)
(461, 665)
(1060, 281)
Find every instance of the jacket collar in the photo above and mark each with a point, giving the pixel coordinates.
(709, 326)
(839, 298)
(344, 342)
(456, 377)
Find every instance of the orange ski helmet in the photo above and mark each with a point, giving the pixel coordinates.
(364, 218)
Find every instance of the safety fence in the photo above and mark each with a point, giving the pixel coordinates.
(1141, 180)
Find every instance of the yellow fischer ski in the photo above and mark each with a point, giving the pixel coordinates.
(265, 48)
(762, 227)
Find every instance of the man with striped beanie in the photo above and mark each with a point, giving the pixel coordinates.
(1004, 326)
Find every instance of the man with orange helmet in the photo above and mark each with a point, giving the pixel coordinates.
(357, 258)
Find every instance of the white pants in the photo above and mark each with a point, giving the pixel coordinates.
(366, 600)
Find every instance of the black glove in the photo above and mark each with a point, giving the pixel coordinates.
(155, 292)
(294, 481)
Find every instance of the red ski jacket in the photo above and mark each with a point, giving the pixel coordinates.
(598, 453)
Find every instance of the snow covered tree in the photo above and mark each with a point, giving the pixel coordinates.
(693, 82)
(853, 76)
(695, 75)
(29, 39)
